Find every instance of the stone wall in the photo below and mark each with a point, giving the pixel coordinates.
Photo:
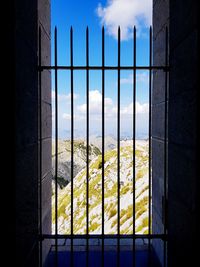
(44, 24)
(183, 96)
(28, 16)
(182, 131)
(160, 22)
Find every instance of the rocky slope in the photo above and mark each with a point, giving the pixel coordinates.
(110, 188)
(64, 159)
(109, 142)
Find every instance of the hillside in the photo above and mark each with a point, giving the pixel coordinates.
(110, 187)
(109, 142)
(64, 159)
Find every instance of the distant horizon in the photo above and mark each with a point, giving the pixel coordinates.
(141, 137)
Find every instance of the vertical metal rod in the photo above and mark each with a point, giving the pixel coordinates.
(40, 138)
(165, 145)
(118, 151)
(103, 140)
(134, 123)
(72, 143)
(56, 146)
(150, 89)
(87, 144)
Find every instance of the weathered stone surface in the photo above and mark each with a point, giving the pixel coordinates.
(46, 120)
(46, 84)
(157, 174)
(45, 49)
(158, 246)
(158, 120)
(46, 245)
(46, 156)
(158, 90)
(44, 16)
(46, 203)
(159, 48)
(159, 22)
(158, 162)
(157, 227)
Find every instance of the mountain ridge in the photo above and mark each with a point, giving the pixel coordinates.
(110, 188)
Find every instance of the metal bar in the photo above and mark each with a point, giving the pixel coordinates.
(40, 138)
(56, 145)
(134, 119)
(87, 144)
(118, 151)
(150, 89)
(97, 236)
(103, 139)
(164, 68)
(118, 236)
(165, 146)
(72, 142)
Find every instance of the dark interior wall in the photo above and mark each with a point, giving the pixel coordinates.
(183, 97)
(183, 184)
(160, 23)
(26, 137)
(28, 16)
(44, 24)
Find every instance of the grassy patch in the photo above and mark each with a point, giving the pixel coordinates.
(93, 227)
(114, 223)
(125, 189)
(143, 225)
(112, 191)
(141, 207)
(112, 212)
(141, 173)
(110, 154)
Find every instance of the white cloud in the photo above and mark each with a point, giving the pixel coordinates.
(140, 109)
(67, 116)
(126, 14)
(63, 97)
(95, 115)
(95, 103)
(140, 77)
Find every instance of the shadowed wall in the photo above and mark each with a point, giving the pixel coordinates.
(29, 15)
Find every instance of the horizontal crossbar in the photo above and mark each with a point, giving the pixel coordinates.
(164, 68)
(96, 236)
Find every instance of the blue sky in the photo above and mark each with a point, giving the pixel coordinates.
(94, 13)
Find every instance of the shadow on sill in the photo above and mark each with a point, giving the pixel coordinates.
(143, 258)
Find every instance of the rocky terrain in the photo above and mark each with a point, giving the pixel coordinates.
(110, 188)
(109, 143)
(64, 159)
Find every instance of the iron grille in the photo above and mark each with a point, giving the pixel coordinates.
(150, 67)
